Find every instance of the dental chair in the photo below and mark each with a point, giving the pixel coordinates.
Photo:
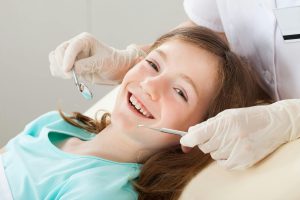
(277, 177)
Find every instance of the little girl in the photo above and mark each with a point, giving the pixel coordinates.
(189, 75)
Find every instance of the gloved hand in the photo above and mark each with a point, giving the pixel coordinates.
(93, 60)
(239, 138)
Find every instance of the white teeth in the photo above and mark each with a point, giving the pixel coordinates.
(133, 100)
(138, 106)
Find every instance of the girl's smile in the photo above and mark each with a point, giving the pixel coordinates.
(138, 107)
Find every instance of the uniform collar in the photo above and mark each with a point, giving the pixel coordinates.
(61, 126)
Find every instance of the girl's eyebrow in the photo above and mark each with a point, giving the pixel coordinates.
(162, 54)
(181, 75)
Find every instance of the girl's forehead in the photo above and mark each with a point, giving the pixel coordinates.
(186, 54)
(176, 47)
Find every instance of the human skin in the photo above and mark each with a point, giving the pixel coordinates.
(160, 93)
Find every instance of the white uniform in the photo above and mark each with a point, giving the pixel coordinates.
(253, 32)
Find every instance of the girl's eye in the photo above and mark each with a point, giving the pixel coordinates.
(152, 64)
(181, 94)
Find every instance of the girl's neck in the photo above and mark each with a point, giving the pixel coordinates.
(112, 145)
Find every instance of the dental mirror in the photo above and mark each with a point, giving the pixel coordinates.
(83, 89)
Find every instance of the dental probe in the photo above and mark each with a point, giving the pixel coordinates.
(165, 130)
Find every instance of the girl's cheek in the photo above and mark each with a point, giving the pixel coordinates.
(171, 100)
(173, 114)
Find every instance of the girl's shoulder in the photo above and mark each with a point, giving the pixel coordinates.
(37, 124)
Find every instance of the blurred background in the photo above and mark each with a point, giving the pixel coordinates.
(30, 29)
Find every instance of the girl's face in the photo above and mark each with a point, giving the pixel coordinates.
(171, 88)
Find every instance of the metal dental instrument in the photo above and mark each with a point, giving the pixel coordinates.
(165, 130)
(83, 89)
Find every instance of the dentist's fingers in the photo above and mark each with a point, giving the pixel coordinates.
(200, 133)
(186, 149)
(229, 165)
(218, 155)
(86, 65)
(70, 55)
(73, 50)
(224, 150)
(60, 52)
(237, 154)
(56, 59)
(52, 63)
(212, 145)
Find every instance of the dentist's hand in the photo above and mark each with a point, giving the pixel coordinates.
(93, 60)
(239, 138)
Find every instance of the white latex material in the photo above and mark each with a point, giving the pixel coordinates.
(93, 60)
(239, 138)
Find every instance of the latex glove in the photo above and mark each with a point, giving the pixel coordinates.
(239, 138)
(93, 60)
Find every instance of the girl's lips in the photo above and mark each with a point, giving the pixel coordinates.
(132, 108)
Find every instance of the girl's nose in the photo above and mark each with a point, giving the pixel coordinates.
(153, 86)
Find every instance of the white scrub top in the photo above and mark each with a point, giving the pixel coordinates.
(253, 32)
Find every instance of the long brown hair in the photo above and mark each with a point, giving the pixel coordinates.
(165, 174)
